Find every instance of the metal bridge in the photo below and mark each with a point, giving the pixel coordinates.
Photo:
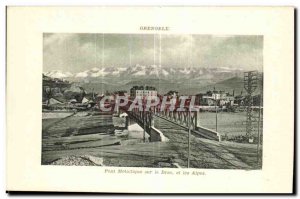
(180, 125)
(187, 119)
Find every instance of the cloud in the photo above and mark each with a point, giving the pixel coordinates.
(79, 52)
(50, 39)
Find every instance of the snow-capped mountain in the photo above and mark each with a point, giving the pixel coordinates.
(101, 72)
(82, 74)
(183, 79)
(150, 72)
(98, 72)
(185, 71)
(58, 74)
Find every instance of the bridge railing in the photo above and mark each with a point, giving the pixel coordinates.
(184, 117)
(188, 119)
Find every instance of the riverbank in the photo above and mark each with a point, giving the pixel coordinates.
(86, 130)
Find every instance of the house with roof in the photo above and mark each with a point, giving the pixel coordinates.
(142, 92)
(215, 97)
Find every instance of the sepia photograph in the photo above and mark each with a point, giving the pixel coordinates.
(152, 100)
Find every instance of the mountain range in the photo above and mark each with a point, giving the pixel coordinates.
(140, 71)
(186, 80)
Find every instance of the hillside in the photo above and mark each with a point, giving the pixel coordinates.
(235, 84)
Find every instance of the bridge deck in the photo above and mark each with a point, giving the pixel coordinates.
(207, 153)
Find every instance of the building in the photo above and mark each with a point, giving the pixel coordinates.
(142, 92)
(172, 94)
(121, 93)
(258, 100)
(240, 100)
(229, 99)
(212, 98)
(205, 99)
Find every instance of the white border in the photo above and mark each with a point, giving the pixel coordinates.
(95, 2)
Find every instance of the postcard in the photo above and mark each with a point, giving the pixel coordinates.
(150, 99)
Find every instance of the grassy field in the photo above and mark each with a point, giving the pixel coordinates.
(228, 123)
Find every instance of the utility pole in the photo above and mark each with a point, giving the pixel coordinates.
(189, 137)
(258, 133)
(259, 120)
(93, 94)
(250, 84)
(144, 115)
(216, 112)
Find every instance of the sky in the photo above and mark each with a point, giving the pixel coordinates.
(79, 52)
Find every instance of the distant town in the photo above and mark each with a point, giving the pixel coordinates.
(59, 94)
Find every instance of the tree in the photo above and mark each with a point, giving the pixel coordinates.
(48, 93)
